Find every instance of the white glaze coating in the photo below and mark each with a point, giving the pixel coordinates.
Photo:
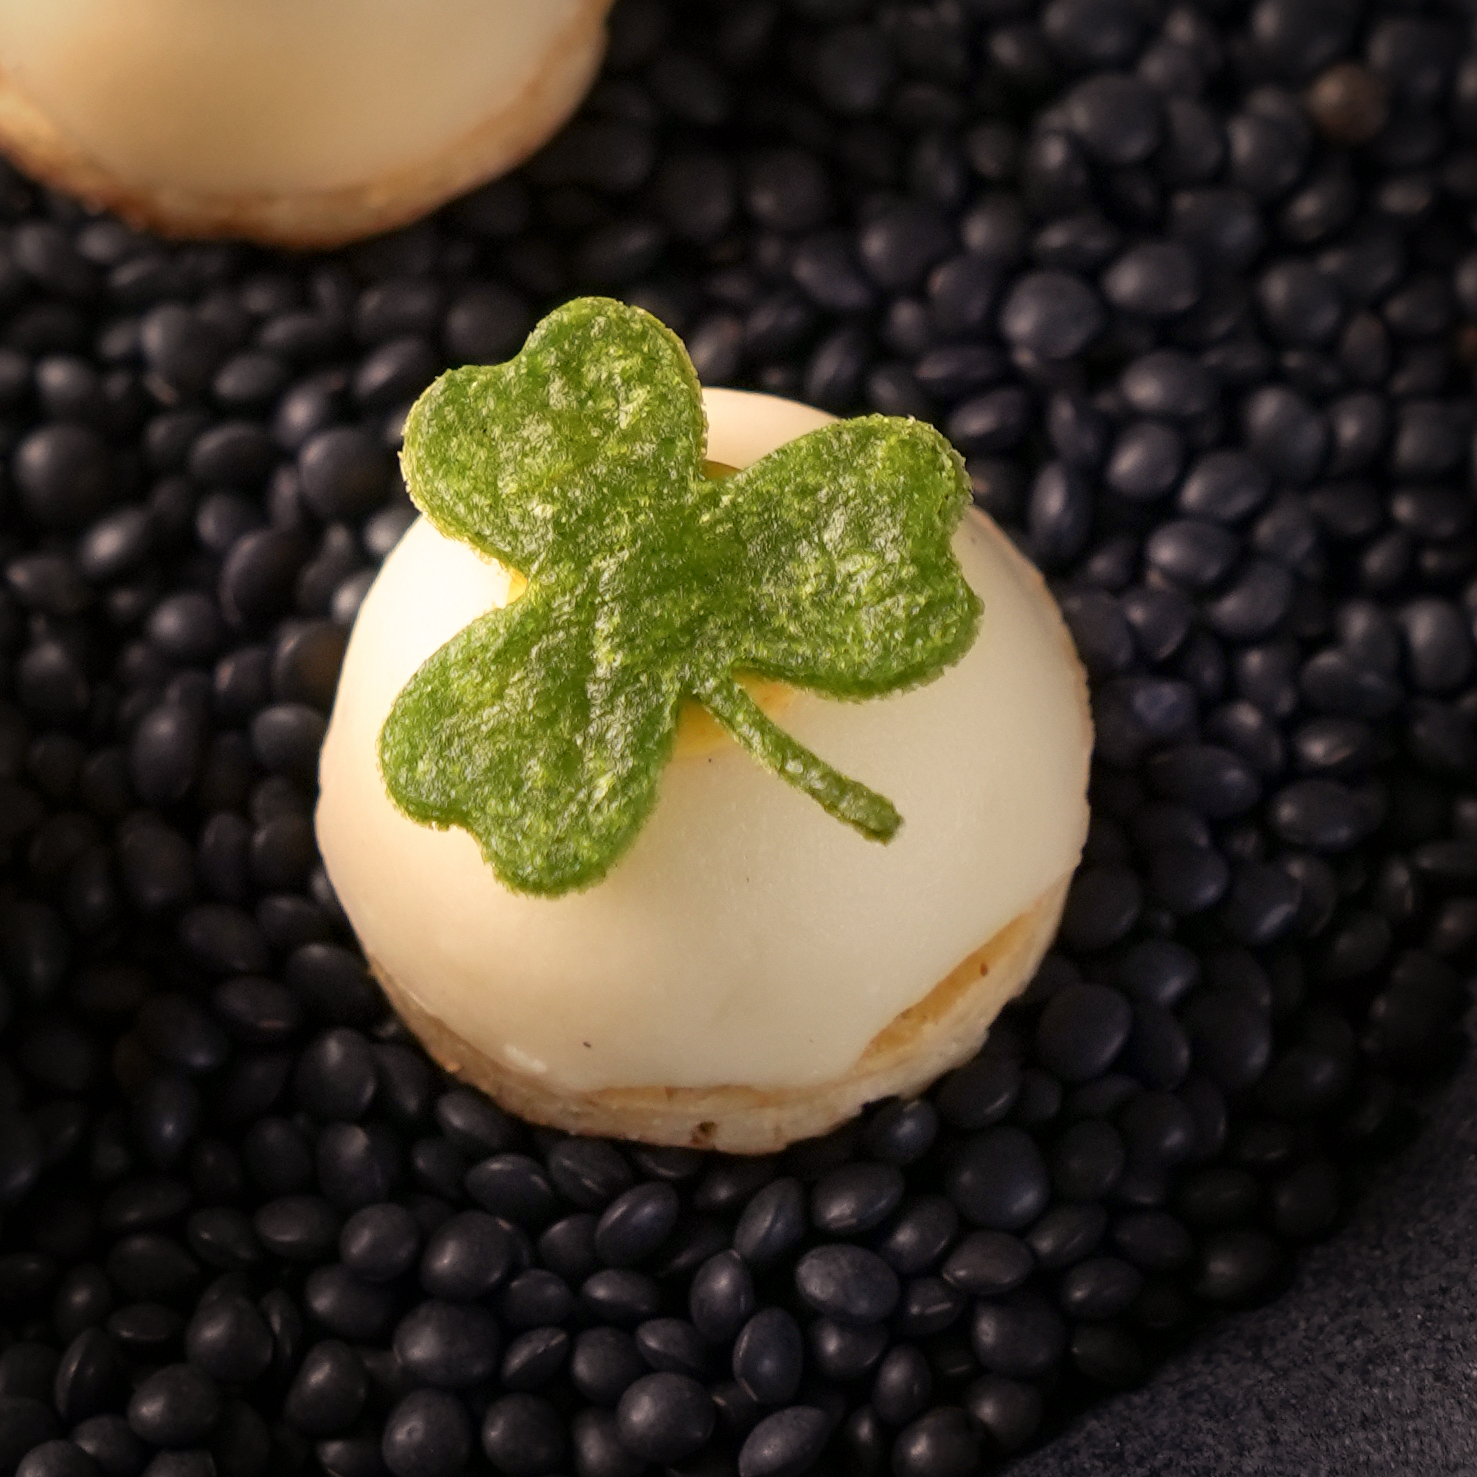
(747, 937)
(224, 96)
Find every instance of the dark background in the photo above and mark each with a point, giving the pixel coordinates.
(1367, 1364)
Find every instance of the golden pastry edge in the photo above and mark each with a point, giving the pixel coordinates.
(919, 1045)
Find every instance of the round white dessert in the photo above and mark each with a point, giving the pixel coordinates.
(746, 937)
(303, 121)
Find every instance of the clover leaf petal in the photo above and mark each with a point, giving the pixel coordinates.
(520, 460)
(845, 579)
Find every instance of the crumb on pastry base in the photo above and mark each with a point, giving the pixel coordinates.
(317, 218)
(941, 1031)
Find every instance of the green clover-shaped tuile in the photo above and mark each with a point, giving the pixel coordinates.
(542, 728)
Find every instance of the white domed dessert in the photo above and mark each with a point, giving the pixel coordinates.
(749, 971)
(297, 122)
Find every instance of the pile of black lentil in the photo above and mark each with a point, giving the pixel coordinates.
(1192, 286)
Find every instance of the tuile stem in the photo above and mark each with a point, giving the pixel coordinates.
(848, 800)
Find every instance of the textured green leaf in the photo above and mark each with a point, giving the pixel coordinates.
(543, 728)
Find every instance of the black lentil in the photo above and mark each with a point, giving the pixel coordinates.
(636, 1223)
(604, 1362)
(768, 1356)
(523, 1436)
(919, 1235)
(328, 1391)
(675, 1345)
(229, 1340)
(428, 1434)
(176, 1407)
(533, 1358)
(784, 1444)
(597, 1446)
(536, 1296)
(1021, 1336)
(847, 1283)
(108, 1440)
(843, 1352)
(1066, 1233)
(57, 1459)
(664, 1417)
(626, 1297)
(448, 1344)
(467, 1256)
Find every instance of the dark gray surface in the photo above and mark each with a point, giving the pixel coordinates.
(1367, 1364)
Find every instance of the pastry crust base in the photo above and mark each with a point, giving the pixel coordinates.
(330, 217)
(942, 1030)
